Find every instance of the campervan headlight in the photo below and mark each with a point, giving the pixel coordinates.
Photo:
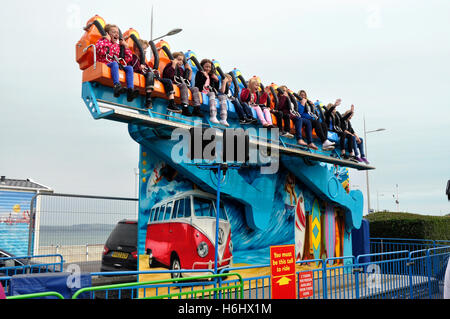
(202, 249)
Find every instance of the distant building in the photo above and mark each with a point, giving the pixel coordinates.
(24, 185)
(15, 201)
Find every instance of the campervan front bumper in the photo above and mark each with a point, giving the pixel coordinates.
(222, 264)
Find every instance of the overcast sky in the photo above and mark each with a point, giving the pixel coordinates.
(388, 58)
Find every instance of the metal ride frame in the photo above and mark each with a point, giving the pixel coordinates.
(390, 275)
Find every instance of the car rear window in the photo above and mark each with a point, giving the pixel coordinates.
(124, 234)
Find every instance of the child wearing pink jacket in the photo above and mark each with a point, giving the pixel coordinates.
(255, 99)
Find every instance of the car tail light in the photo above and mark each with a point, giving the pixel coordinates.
(105, 250)
(134, 254)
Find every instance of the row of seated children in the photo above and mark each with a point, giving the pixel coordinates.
(290, 112)
(108, 51)
(207, 82)
(308, 115)
(331, 121)
(342, 126)
(179, 72)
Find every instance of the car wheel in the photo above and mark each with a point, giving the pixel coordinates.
(175, 265)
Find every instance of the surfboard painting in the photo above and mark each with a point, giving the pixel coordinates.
(330, 235)
(316, 233)
(307, 249)
(300, 226)
(339, 230)
(323, 227)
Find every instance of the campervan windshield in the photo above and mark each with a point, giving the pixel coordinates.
(181, 208)
(204, 207)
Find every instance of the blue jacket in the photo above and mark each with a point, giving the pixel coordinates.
(302, 111)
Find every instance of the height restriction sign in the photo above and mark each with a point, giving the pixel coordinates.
(282, 271)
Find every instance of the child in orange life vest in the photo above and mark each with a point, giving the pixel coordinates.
(108, 52)
(150, 76)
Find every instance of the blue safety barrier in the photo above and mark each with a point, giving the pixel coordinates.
(165, 288)
(401, 274)
(380, 245)
(18, 265)
(64, 283)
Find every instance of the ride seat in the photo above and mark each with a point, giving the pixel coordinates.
(94, 71)
(84, 54)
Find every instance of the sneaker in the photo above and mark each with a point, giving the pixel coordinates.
(118, 89)
(365, 160)
(224, 123)
(173, 108)
(244, 121)
(352, 158)
(185, 111)
(132, 94)
(287, 134)
(329, 148)
(327, 144)
(196, 111)
(214, 120)
(148, 103)
(359, 159)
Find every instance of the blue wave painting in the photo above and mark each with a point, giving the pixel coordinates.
(250, 246)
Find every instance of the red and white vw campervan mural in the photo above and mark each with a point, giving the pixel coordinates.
(181, 233)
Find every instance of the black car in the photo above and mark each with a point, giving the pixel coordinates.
(120, 251)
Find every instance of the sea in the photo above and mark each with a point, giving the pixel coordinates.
(82, 234)
(14, 237)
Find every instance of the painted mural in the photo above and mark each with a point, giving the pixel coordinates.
(15, 221)
(298, 216)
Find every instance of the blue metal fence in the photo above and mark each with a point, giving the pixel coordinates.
(18, 265)
(401, 274)
(380, 245)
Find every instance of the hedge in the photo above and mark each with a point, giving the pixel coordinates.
(406, 225)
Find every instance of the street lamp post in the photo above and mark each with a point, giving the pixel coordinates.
(378, 201)
(171, 32)
(365, 150)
